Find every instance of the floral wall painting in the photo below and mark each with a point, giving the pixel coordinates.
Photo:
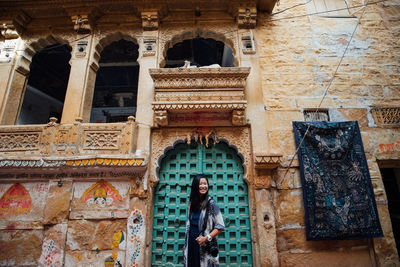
(101, 194)
(15, 201)
(136, 233)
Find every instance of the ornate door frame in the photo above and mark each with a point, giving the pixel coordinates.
(164, 139)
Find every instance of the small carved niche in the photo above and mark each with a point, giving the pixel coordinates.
(149, 47)
(248, 45)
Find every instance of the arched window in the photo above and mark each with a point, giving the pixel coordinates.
(47, 84)
(199, 52)
(115, 91)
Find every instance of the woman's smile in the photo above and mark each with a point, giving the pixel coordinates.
(203, 186)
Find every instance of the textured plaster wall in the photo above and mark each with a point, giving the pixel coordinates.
(298, 57)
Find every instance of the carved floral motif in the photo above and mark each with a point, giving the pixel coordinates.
(101, 140)
(19, 141)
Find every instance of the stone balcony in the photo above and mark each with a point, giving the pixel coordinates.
(70, 145)
(193, 96)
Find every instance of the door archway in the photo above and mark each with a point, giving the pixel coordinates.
(224, 169)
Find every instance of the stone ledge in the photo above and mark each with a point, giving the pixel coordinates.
(267, 161)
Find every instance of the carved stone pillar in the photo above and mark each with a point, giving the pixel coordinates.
(8, 80)
(144, 112)
(78, 83)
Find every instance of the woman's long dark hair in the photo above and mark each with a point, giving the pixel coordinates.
(195, 200)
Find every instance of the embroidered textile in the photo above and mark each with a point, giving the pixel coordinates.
(339, 201)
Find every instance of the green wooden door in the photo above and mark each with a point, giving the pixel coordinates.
(225, 172)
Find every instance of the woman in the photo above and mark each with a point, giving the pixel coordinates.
(194, 252)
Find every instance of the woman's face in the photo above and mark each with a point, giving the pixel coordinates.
(203, 186)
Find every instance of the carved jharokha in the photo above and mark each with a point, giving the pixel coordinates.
(183, 90)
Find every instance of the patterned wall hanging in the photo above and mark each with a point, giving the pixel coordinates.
(339, 201)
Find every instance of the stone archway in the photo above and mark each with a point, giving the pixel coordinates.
(223, 166)
(237, 139)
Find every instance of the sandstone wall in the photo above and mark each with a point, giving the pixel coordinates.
(298, 57)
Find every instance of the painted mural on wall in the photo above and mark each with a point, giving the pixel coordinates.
(21, 204)
(100, 200)
(15, 201)
(135, 243)
(101, 194)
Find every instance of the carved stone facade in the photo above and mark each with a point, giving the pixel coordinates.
(85, 190)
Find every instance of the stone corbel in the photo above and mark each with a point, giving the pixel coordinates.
(81, 23)
(161, 117)
(8, 32)
(84, 20)
(8, 36)
(150, 20)
(247, 17)
(238, 117)
(265, 164)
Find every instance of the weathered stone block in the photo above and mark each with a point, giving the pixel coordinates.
(356, 258)
(57, 203)
(20, 248)
(289, 210)
(295, 240)
(93, 235)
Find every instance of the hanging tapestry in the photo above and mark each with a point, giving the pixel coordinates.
(339, 201)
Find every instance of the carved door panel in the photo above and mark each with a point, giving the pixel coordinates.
(225, 172)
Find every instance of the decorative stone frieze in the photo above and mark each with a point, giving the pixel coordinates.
(196, 78)
(386, 116)
(19, 141)
(69, 139)
(150, 20)
(200, 89)
(247, 17)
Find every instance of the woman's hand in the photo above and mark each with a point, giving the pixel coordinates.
(201, 240)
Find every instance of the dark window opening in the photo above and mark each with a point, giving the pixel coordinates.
(47, 85)
(199, 52)
(391, 181)
(115, 91)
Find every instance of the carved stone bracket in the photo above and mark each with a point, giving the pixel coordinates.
(266, 161)
(84, 19)
(247, 17)
(238, 117)
(161, 117)
(150, 20)
(265, 166)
